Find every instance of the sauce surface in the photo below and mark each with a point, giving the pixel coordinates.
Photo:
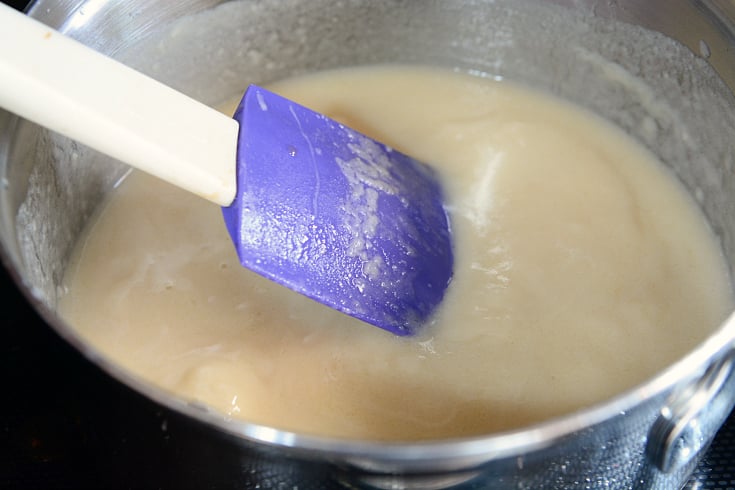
(581, 269)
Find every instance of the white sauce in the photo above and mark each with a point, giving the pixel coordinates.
(582, 269)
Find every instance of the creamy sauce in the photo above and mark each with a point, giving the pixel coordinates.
(582, 269)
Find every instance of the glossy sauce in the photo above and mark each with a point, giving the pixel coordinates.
(582, 269)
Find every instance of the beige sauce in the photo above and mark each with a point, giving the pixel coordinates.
(581, 270)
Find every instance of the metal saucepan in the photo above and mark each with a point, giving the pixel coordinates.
(672, 91)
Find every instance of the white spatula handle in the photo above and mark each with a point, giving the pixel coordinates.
(69, 88)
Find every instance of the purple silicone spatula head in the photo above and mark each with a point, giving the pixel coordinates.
(337, 216)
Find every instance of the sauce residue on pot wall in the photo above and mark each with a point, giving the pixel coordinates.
(582, 268)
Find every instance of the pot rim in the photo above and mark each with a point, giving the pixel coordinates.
(433, 455)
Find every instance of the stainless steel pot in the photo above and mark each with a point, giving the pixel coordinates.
(673, 92)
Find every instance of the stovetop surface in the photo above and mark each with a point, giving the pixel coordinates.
(64, 424)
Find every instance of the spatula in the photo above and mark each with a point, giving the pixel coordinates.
(308, 202)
